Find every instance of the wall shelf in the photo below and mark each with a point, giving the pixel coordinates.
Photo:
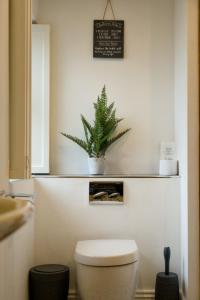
(105, 176)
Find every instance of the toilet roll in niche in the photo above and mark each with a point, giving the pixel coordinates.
(168, 167)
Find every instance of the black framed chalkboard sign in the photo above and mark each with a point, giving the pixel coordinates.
(108, 39)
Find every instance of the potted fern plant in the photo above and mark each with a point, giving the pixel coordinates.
(100, 135)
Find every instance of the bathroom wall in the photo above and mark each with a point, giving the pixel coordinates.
(16, 258)
(150, 215)
(141, 84)
(17, 253)
(181, 125)
(187, 139)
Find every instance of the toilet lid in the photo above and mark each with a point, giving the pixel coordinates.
(106, 252)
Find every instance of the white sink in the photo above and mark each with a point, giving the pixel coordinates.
(13, 214)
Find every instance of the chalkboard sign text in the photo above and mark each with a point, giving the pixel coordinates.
(108, 39)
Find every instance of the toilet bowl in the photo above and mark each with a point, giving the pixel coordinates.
(106, 269)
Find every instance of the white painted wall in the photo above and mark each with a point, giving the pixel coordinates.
(4, 95)
(141, 84)
(17, 253)
(181, 126)
(150, 215)
(187, 139)
(16, 258)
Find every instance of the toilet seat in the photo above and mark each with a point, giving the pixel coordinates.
(106, 252)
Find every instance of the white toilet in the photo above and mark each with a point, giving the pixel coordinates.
(107, 269)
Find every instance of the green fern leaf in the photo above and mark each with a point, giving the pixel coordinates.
(115, 138)
(76, 140)
(101, 134)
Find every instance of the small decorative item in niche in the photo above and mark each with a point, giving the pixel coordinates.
(106, 192)
(108, 39)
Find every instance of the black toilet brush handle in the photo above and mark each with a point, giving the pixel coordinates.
(167, 259)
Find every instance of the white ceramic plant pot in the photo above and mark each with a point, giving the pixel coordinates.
(96, 165)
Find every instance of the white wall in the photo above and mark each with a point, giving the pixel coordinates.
(187, 139)
(150, 215)
(17, 253)
(16, 258)
(181, 126)
(141, 84)
(4, 95)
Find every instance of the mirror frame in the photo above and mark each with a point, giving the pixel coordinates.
(20, 88)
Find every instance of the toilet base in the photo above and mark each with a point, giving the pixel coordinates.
(110, 283)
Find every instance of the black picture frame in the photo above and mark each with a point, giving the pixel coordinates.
(108, 39)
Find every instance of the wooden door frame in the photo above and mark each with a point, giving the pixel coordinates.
(20, 22)
(193, 149)
(4, 93)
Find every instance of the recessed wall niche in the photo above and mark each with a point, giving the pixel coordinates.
(141, 84)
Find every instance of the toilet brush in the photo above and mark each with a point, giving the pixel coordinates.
(167, 286)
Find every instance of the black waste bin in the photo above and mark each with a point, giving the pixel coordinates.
(49, 282)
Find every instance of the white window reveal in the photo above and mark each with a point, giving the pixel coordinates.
(40, 98)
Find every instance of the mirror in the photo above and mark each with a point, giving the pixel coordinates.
(143, 93)
(66, 80)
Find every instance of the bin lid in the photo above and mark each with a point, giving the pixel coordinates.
(106, 252)
(51, 268)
